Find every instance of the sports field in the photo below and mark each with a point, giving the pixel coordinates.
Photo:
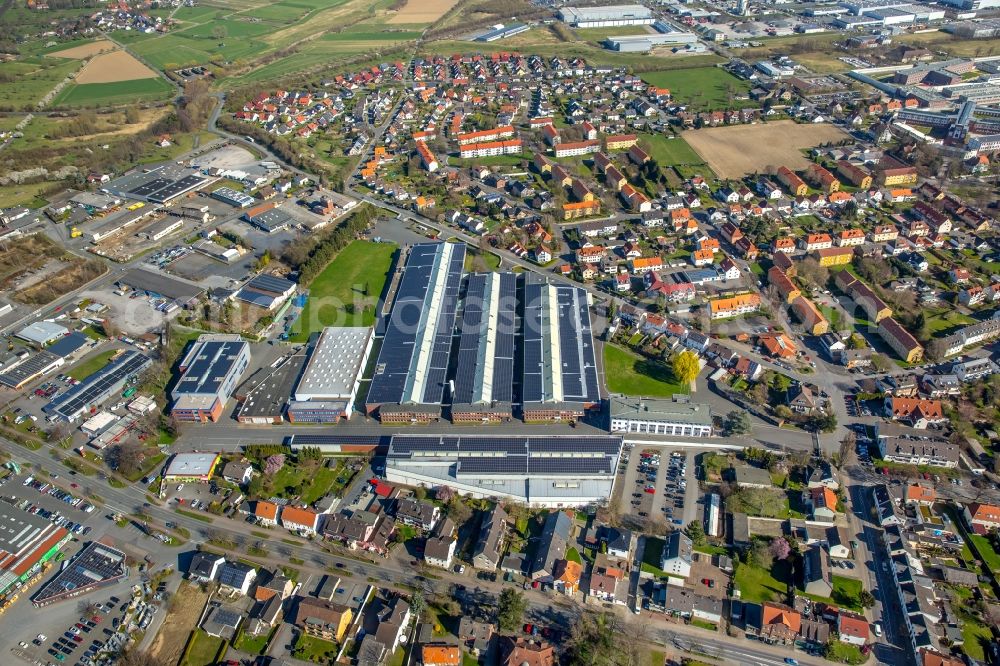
(700, 87)
(110, 94)
(737, 150)
(346, 292)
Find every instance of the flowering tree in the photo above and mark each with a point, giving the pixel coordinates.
(780, 548)
(274, 463)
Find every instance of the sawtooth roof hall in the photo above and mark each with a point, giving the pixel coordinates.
(482, 344)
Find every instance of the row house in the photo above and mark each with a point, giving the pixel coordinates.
(822, 178)
(576, 148)
(795, 185)
(733, 306)
(814, 242)
(578, 209)
(851, 237)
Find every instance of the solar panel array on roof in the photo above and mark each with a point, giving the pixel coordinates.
(485, 369)
(96, 388)
(559, 363)
(413, 363)
(212, 363)
(271, 284)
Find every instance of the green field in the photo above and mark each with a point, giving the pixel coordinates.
(32, 79)
(600, 34)
(671, 151)
(701, 87)
(23, 195)
(91, 365)
(109, 94)
(202, 649)
(342, 284)
(758, 585)
(631, 374)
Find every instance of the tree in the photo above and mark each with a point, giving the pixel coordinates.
(132, 115)
(420, 492)
(824, 422)
(760, 555)
(696, 532)
(125, 458)
(604, 640)
(686, 366)
(737, 423)
(510, 609)
(881, 362)
(780, 548)
(417, 604)
(866, 598)
(458, 511)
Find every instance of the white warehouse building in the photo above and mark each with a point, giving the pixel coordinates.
(654, 416)
(332, 375)
(606, 17)
(541, 471)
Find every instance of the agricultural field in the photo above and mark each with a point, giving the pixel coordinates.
(113, 93)
(112, 67)
(84, 51)
(737, 150)
(356, 275)
(702, 88)
(23, 83)
(421, 11)
(669, 151)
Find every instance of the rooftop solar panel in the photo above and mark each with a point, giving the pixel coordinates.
(412, 364)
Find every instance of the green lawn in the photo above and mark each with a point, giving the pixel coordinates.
(359, 268)
(986, 552)
(946, 320)
(91, 365)
(32, 79)
(573, 555)
(843, 653)
(202, 649)
(846, 593)
(668, 150)
(651, 556)
(631, 374)
(704, 624)
(306, 481)
(757, 585)
(977, 636)
(253, 644)
(109, 94)
(308, 648)
(702, 87)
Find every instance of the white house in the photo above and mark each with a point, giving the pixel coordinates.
(676, 557)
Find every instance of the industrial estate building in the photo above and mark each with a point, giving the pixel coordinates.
(559, 380)
(606, 17)
(484, 372)
(191, 467)
(27, 542)
(329, 384)
(547, 471)
(93, 391)
(410, 376)
(210, 373)
(429, 361)
(678, 417)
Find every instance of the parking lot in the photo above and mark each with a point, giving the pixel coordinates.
(64, 508)
(659, 482)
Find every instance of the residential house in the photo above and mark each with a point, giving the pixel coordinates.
(237, 576)
(816, 571)
(617, 541)
(566, 577)
(522, 651)
(323, 619)
(852, 628)
(238, 472)
(205, 566)
(813, 242)
(676, 557)
(299, 520)
(981, 518)
(916, 412)
(919, 494)
(415, 513)
(800, 399)
(489, 544)
(901, 341)
(551, 545)
(265, 513)
(822, 503)
(440, 654)
(439, 549)
(779, 623)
